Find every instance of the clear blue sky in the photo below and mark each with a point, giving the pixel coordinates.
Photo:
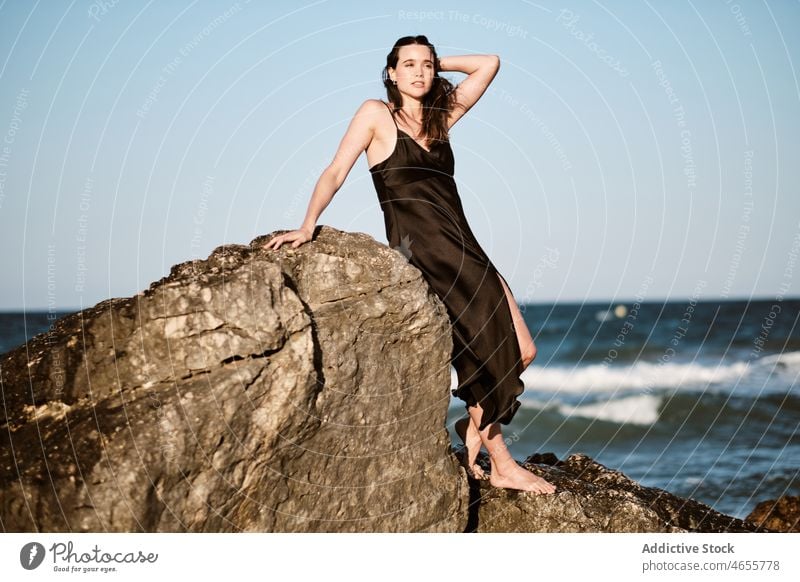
(622, 148)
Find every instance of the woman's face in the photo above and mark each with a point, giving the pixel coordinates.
(414, 72)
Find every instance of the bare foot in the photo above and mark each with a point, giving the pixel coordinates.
(512, 476)
(469, 435)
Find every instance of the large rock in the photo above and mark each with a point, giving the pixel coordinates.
(298, 390)
(590, 498)
(293, 390)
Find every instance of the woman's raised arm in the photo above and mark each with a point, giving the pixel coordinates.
(481, 70)
(356, 139)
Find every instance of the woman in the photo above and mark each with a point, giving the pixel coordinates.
(411, 163)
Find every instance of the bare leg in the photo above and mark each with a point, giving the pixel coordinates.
(468, 432)
(506, 473)
(526, 346)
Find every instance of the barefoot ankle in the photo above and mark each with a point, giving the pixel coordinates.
(503, 464)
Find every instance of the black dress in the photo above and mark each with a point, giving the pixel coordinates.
(425, 221)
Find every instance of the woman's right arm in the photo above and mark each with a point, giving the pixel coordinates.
(357, 138)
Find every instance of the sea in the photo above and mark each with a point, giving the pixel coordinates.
(699, 398)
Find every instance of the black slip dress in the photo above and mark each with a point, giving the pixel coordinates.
(425, 221)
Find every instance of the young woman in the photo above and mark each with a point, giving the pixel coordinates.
(411, 162)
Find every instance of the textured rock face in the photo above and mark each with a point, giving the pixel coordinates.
(253, 391)
(293, 390)
(782, 514)
(590, 498)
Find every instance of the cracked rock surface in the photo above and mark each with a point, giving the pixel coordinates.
(592, 498)
(292, 390)
(298, 390)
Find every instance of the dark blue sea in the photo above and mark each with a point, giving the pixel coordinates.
(698, 398)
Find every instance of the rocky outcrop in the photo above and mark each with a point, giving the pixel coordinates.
(590, 498)
(782, 514)
(281, 391)
(298, 390)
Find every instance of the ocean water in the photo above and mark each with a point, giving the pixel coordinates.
(698, 398)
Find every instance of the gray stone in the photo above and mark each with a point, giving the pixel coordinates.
(298, 390)
(589, 497)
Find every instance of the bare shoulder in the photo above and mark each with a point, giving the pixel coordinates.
(372, 106)
(376, 103)
(377, 127)
(376, 114)
(369, 114)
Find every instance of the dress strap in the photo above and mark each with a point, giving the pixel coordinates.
(390, 113)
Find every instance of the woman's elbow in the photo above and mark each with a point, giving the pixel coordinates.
(335, 176)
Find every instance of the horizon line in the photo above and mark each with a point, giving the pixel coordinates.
(529, 303)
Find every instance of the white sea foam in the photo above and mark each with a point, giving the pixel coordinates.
(639, 375)
(596, 378)
(788, 359)
(640, 409)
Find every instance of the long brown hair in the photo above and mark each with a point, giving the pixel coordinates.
(436, 104)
